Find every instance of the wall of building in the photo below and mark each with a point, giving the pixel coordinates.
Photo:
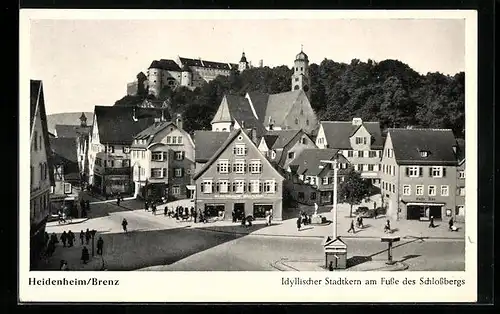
(296, 147)
(221, 126)
(301, 116)
(268, 173)
(460, 199)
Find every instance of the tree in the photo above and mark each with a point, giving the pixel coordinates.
(353, 189)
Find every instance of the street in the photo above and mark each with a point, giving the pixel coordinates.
(170, 245)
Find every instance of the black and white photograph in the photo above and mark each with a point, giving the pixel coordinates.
(249, 142)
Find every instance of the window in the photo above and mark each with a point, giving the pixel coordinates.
(109, 149)
(372, 154)
(431, 190)
(350, 153)
(361, 154)
(461, 191)
(461, 174)
(178, 172)
(325, 180)
(223, 166)
(174, 139)
(156, 172)
(179, 139)
(273, 154)
(169, 140)
(239, 166)
(360, 140)
(126, 149)
(296, 121)
(206, 186)
(110, 163)
(176, 190)
(239, 186)
(313, 196)
(52, 189)
(291, 155)
(254, 186)
(406, 190)
(304, 141)
(126, 163)
(223, 186)
(390, 152)
(156, 156)
(436, 172)
(296, 79)
(67, 188)
(412, 171)
(179, 155)
(256, 166)
(32, 175)
(444, 190)
(370, 167)
(240, 150)
(307, 122)
(269, 186)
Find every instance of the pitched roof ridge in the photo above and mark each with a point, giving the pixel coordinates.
(418, 129)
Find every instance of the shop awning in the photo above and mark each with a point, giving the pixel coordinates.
(425, 204)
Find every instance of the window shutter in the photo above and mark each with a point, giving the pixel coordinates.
(260, 187)
(234, 186)
(182, 172)
(228, 167)
(430, 172)
(246, 150)
(218, 167)
(444, 172)
(234, 150)
(217, 187)
(183, 155)
(234, 167)
(420, 171)
(244, 187)
(275, 187)
(407, 171)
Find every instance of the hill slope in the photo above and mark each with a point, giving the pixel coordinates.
(69, 118)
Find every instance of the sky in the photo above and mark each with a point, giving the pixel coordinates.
(84, 63)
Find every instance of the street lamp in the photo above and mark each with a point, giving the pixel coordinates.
(334, 196)
(93, 232)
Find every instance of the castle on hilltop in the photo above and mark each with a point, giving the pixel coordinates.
(193, 73)
(186, 72)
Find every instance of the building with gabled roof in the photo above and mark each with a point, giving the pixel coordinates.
(320, 177)
(460, 195)
(359, 141)
(112, 134)
(239, 181)
(162, 159)
(419, 174)
(41, 171)
(282, 147)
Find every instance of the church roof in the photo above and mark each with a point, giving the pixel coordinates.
(301, 56)
(279, 105)
(243, 58)
(165, 64)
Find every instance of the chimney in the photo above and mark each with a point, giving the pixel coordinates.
(242, 124)
(178, 121)
(261, 63)
(357, 121)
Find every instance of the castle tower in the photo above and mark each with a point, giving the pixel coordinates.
(154, 79)
(186, 76)
(243, 65)
(300, 77)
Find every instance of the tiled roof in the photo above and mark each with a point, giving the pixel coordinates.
(279, 105)
(216, 65)
(309, 160)
(165, 64)
(408, 143)
(283, 137)
(191, 62)
(207, 143)
(270, 139)
(117, 125)
(63, 130)
(338, 133)
(259, 102)
(152, 130)
(65, 148)
(38, 100)
(68, 118)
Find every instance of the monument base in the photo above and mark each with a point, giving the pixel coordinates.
(317, 220)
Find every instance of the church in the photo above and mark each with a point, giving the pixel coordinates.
(260, 111)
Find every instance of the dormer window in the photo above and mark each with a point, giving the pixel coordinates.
(424, 153)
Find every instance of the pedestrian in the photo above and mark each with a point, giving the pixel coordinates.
(46, 238)
(51, 248)
(124, 224)
(71, 238)
(450, 224)
(361, 222)
(85, 255)
(153, 208)
(146, 205)
(200, 214)
(192, 211)
(233, 214)
(118, 200)
(165, 211)
(100, 245)
(299, 222)
(53, 238)
(64, 237)
(330, 266)
(268, 219)
(387, 227)
(87, 236)
(352, 227)
(82, 236)
(195, 214)
(431, 223)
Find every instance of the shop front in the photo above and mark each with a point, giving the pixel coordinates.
(118, 185)
(241, 207)
(423, 211)
(63, 204)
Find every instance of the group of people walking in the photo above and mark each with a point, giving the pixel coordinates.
(85, 208)
(68, 239)
(303, 219)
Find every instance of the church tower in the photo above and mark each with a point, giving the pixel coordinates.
(243, 65)
(300, 77)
